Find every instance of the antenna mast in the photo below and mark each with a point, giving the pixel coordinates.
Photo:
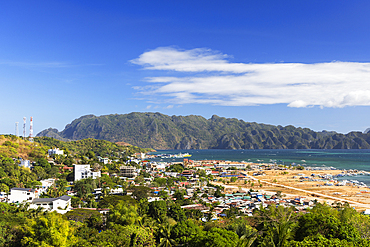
(31, 130)
(16, 129)
(24, 128)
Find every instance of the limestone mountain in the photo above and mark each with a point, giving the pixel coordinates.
(159, 131)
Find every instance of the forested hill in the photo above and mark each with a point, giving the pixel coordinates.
(159, 131)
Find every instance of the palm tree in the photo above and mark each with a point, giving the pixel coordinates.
(279, 223)
(164, 234)
(247, 239)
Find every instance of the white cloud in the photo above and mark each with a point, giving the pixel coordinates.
(211, 79)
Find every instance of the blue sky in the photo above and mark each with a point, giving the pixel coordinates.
(301, 63)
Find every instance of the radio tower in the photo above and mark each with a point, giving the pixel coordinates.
(24, 128)
(31, 130)
(16, 129)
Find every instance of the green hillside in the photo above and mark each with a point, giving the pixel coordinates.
(99, 147)
(159, 131)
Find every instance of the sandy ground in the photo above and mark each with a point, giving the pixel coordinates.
(290, 185)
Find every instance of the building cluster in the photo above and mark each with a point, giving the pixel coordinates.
(192, 183)
(60, 204)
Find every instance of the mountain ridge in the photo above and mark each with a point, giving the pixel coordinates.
(160, 131)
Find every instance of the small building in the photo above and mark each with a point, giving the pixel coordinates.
(366, 212)
(22, 195)
(84, 171)
(171, 174)
(228, 165)
(60, 204)
(25, 164)
(187, 174)
(46, 183)
(127, 171)
(55, 151)
(103, 160)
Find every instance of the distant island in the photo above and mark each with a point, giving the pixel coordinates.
(160, 131)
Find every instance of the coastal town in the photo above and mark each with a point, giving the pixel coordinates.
(212, 186)
(98, 193)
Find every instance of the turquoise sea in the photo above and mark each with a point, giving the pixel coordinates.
(338, 158)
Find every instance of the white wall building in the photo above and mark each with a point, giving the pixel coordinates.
(171, 174)
(61, 204)
(226, 165)
(22, 195)
(25, 163)
(46, 183)
(103, 160)
(84, 171)
(55, 151)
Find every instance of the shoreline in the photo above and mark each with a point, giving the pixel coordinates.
(291, 184)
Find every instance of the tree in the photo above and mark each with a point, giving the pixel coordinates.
(49, 230)
(232, 212)
(113, 200)
(319, 240)
(124, 214)
(247, 234)
(176, 212)
(176, 168)
(202, 173)
(164, 236)
(40, 172)
(129, 235)
(90, 154)
(179, 195)
(216, 237)
(4, 188)
(83, 187)
(163, 194)
(278, 225)
(158, 210)
(193, 214)
(183, 232)
(140, 192)
(218, 193)
(161, 182)
(325, 220)
(81, 215)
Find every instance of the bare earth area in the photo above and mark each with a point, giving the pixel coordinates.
(296, 183)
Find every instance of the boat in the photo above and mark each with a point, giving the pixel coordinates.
(176, 156)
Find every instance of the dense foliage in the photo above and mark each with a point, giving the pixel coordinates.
(159, 131)
(98, 147)
(127, 224)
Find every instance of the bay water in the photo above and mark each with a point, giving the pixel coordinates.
(355, 159)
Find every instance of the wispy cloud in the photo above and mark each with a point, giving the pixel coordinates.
(210, 78)
(36, 64)
(44, 64)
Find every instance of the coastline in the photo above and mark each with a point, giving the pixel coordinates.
(300, 184)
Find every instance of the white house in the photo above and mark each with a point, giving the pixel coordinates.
(84, 171)
(55, 151)
(22, 194)
(46, 183)
(103, 160)
(25, 163)
(61, 204)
